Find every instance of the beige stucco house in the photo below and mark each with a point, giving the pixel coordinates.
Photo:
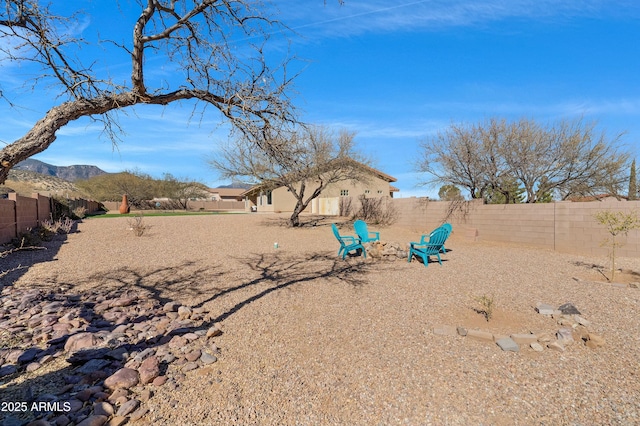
(373, 184)
(226, 194)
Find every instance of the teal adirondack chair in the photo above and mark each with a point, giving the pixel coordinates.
(365, 236)
(446, 226)
(432, 247)
(347, 243)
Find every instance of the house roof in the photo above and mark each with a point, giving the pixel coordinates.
(378, 173)
(227, 192)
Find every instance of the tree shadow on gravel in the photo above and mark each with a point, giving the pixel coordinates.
(186, 279)
(306, 221)
(16, 263)
(128, 297)
(280, 271)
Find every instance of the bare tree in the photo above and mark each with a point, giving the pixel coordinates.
(498, 157)
(306, 162)
(455, 157)
(194, 36)
(181, 190)
(568, 158)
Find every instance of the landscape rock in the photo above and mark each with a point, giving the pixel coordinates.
(149, 370)
(80, 341)
(445, 330)
(117, 421)
(103, 408)
(171, 307)
(565, 336)
(507, 344)
(95, 420)
(7, 370)
(207, 358)
(102, 334)
(479, 335)
(128, 407)
(138, 414)
(524, 339)
(545, 309)
(93, 365)
(214, 331)
(556, 346)
(159, 381)
(568, 309)
(124, 378)
(537, 347)
(184, 312)
(28, 355)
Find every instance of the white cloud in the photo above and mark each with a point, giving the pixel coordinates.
(378, 16)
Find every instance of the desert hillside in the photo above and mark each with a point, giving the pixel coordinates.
(27, 182)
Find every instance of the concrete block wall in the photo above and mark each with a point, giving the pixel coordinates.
(113, 206)
(44, 206)
(19, 213)
(26, 212)
(7, 220)
(563, 226)
(578, 231)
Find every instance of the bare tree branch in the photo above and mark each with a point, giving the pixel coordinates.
(192, 35)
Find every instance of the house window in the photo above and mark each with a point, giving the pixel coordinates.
(268, 198)
(366, 191)
(379, 191)
(344, 192)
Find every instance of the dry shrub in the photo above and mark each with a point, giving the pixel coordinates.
(59, 226)
(380, 211)
(79, 212)
(346, 206)
(138, 226)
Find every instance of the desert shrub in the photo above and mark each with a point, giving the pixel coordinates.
(79, 212)
(30, 238)
(137, 224)
(380, 211)
(486, 305)
(57, 226)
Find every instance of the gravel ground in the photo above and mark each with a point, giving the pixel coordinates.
(311, 339)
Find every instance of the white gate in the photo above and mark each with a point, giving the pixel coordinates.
(327, 206)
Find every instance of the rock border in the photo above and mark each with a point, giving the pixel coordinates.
(573, 329)
(121, 345)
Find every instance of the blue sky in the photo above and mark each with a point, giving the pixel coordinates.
(394, 75)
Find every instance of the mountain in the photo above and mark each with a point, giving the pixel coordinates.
(68, 173)
(237, 185)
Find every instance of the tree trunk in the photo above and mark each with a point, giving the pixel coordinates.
(294, 220)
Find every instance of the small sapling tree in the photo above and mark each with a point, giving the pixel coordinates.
(616, 223)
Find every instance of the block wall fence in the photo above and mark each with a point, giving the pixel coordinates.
(562, 226)
(112, 206)
(19, 213)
